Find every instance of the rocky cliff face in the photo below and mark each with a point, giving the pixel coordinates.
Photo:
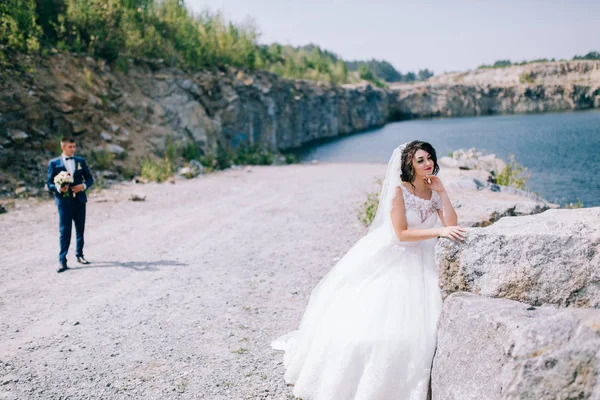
(131, 114)
(549, 73)
(540, 87)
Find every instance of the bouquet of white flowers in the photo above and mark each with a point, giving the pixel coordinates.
(63, 179)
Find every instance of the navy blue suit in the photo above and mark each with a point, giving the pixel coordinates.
(70, 209)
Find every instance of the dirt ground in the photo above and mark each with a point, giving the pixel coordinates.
(186, 289)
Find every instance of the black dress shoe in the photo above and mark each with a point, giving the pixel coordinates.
(82, 260)
(62, 267)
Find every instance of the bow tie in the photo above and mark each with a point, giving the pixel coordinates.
(68, 158)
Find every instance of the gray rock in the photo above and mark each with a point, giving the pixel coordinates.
(186, 84)
(123, 141)
(77, 127)
(17, 136)
(194, 169)
(473, 159)
(448, 162)
(109, 175)
(94, 101)
(197, 166)
(187, 172)
(115, 149)
(480, 203)
(549, 258)
(107, 137)
(501, 349)
(136, 197)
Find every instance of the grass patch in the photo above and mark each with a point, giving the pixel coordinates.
(88, 78)
(191, 151)
(254, 155)
(368, 209)
(290, 158)
(577, 204)
(513, 174)
(157, 170)
(176, 153)
(102, 159)
(526, 77)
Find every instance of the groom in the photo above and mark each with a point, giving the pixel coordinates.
(70, 199)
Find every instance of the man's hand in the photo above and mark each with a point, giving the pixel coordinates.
(64, 189)
(78, 188)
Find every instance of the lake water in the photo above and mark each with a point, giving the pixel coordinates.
(560, 150)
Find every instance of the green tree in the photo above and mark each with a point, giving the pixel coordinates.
(19, 31)
(592, 55)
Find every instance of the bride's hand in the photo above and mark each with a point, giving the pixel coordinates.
(434, 183)
(454, 233)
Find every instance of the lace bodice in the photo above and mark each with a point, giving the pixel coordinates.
(423, 208)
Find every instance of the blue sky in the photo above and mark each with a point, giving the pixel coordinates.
(435, 34)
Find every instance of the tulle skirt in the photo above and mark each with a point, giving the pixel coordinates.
(369, 331)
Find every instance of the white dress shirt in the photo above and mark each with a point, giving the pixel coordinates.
(70, 166)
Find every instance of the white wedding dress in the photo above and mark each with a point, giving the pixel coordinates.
(369, 331)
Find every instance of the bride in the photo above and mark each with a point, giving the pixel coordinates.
(369, 330)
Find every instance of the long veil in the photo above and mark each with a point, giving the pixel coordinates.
(353, 266)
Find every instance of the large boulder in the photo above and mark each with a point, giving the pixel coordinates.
(473, 159)
(552, 258)
(478, 202)
(501, 349)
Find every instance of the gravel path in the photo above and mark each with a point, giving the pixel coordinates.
(187, 288)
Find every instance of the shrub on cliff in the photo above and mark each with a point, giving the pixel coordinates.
(307, 62)
(366, 74)
(526, 77)
(19, 31)
(513, 174)
(592, 55)
(149, 28)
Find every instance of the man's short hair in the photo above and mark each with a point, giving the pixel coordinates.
(67, 140)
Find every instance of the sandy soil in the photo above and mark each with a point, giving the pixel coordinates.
(186, 291)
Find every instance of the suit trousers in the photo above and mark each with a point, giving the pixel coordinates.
(71, 210)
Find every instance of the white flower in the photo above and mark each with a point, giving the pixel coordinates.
(63, 178)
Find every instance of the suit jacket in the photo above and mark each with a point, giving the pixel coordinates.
(82, 175)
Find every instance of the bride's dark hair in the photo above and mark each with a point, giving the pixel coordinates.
(408, 172)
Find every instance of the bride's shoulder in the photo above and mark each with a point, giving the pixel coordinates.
(400, 188)
(399, 192)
